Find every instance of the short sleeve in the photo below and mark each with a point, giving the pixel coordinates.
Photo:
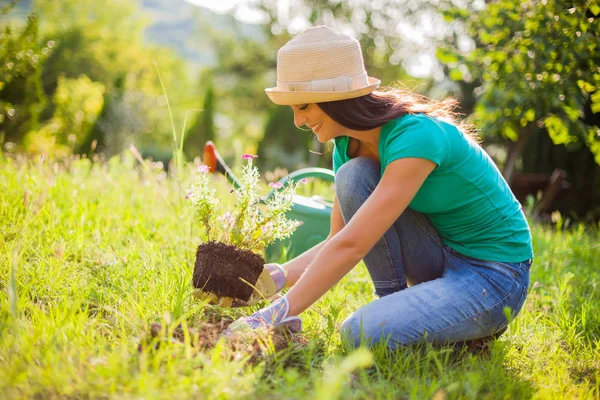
(418, 137)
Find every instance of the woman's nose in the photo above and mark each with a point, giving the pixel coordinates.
(299, 119)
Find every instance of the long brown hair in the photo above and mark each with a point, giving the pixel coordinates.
(377, 108)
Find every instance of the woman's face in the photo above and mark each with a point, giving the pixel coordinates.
(321, 124)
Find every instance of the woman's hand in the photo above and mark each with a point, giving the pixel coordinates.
(275, 314)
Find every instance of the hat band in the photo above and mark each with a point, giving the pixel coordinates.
(337, 84)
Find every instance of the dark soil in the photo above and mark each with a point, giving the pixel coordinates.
(207, 333)
(220, 269)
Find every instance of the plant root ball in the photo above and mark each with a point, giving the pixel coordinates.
(220, 269)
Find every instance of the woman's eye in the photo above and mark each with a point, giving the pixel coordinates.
(302, 108)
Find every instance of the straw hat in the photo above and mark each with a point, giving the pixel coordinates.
(320, 64)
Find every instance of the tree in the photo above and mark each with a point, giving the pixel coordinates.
(390, 32)
(104, 42)
(247, 65)
(77, 105)
(283, 145)
(22, 99)
(538, 67)
(203, 128)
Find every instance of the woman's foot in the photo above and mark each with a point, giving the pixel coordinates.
(477, 345)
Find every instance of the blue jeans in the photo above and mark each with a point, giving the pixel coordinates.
(426, 289)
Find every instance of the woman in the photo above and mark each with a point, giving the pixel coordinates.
(444, 240)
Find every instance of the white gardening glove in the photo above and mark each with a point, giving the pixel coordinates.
(276, 314)
(270, 282)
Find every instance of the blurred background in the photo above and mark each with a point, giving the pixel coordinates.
(86, 77)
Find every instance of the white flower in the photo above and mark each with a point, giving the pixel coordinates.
(243, 225)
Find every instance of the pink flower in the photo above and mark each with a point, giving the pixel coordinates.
(248, 157)
(203, 168)
(187, 196)
(303, 180)
(227, 219)
(276, 185)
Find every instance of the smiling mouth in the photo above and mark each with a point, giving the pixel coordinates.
(316, 127)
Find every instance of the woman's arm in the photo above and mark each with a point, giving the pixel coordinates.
(338, 255)
(298, 265)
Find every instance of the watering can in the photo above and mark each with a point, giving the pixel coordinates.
(314, 212)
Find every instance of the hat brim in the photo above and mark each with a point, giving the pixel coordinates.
(287, 98)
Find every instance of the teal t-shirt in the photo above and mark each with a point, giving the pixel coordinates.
(465, 197)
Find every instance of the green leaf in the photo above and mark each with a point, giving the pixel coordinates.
(593, 142)
(510, 132)
(586, 86)
(558, 131)
(573, 113)
(530, 115)
(455, 75)
(446, 57)
(596, 102)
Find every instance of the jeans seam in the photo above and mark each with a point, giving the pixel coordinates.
(389, 261)
(503, 267)
(440, 244)
(523, 297)
(435, 240)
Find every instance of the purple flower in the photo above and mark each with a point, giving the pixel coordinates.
(303, 180)
(276, 185)
(187, 196)
(203, 168)
(248, 157)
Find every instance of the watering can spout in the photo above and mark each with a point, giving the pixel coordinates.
(215, 163)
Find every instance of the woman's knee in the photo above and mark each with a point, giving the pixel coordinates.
(358, 330)
(350, 332)
(355, 180)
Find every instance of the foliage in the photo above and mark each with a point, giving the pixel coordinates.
(77, 105)
(284, 145)
(22, 99)
(21, 53)
(91, 254)
(244, 68)
(247, 65)
(203, 129)
(245, 226)
(529, 77)
(104, 42)
(386, 29)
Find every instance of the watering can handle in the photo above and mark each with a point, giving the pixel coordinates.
(314, 172)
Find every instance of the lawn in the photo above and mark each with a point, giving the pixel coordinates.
(92, 255)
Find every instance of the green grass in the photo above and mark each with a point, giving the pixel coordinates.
(91, 256)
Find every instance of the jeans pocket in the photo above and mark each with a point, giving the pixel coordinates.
(511, 268)
(518, 270)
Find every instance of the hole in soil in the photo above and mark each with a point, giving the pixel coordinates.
(205, 336)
